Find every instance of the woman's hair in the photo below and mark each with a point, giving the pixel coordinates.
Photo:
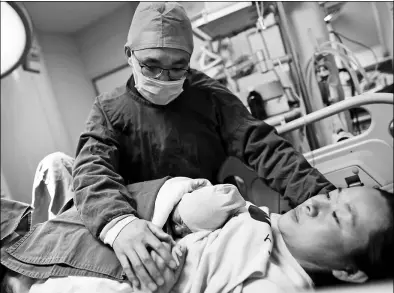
(377, 260)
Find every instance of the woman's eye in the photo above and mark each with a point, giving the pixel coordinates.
(328, 195)
(334, 214)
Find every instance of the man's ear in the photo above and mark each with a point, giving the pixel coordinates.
(356, 276)
(127, 51)
(130, 62)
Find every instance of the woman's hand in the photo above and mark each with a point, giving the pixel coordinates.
(132, 249)
(170, 276)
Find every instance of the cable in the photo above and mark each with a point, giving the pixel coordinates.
(302, 131)
(351, 54)
(260, 14)
(338, 37)
(292, 90)
(358, 123)
(348, 67)
(348, 59)
(340, 40)
(310, 66)
(313, 163)
(360, 44)
(343, 59)
(356, 42)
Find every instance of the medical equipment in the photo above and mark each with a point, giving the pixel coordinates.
(366, 159)
(267, 69)
(248, 18)
(287, 88)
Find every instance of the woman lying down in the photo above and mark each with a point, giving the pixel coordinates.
(224, 245)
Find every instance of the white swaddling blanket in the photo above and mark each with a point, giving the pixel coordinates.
(222, 260)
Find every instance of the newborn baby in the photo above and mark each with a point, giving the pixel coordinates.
(205, 209)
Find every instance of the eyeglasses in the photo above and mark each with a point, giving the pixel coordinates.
(156, 72)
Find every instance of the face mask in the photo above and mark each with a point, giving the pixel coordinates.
(156, 91)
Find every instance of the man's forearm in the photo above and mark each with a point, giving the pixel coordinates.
(259, 146)
(282, 167)
(145, 195)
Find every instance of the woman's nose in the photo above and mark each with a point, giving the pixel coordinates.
(311, 210)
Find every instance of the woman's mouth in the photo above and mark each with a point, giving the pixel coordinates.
(295, 215)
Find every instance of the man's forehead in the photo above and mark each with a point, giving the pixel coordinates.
(163, 55)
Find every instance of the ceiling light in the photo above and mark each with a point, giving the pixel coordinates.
(16, 36)
(328, 17)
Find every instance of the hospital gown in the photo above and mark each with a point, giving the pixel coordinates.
(129, 140)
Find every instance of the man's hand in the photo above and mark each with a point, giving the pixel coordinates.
(131, 248)
(170, 276)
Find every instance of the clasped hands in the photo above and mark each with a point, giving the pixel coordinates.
(150, 257)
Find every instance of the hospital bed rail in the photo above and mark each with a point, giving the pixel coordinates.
(356, 101)
(369, 155)
(365, 159)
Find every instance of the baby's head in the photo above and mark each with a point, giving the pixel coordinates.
(178, 227)
(347, 232)
(207, 208)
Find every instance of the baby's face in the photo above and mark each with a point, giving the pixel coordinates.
(179, 228)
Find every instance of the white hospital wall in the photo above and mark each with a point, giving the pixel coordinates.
(5, 191)
(385, 20)
(101, 44)
(357, 21)
(31, 127)
(73, 89)
(44, 113)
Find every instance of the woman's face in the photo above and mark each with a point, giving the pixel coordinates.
(324, 231)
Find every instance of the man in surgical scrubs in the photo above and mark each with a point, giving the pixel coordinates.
(169, 120)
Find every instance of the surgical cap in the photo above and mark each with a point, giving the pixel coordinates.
(210, 207)
(160, 25)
